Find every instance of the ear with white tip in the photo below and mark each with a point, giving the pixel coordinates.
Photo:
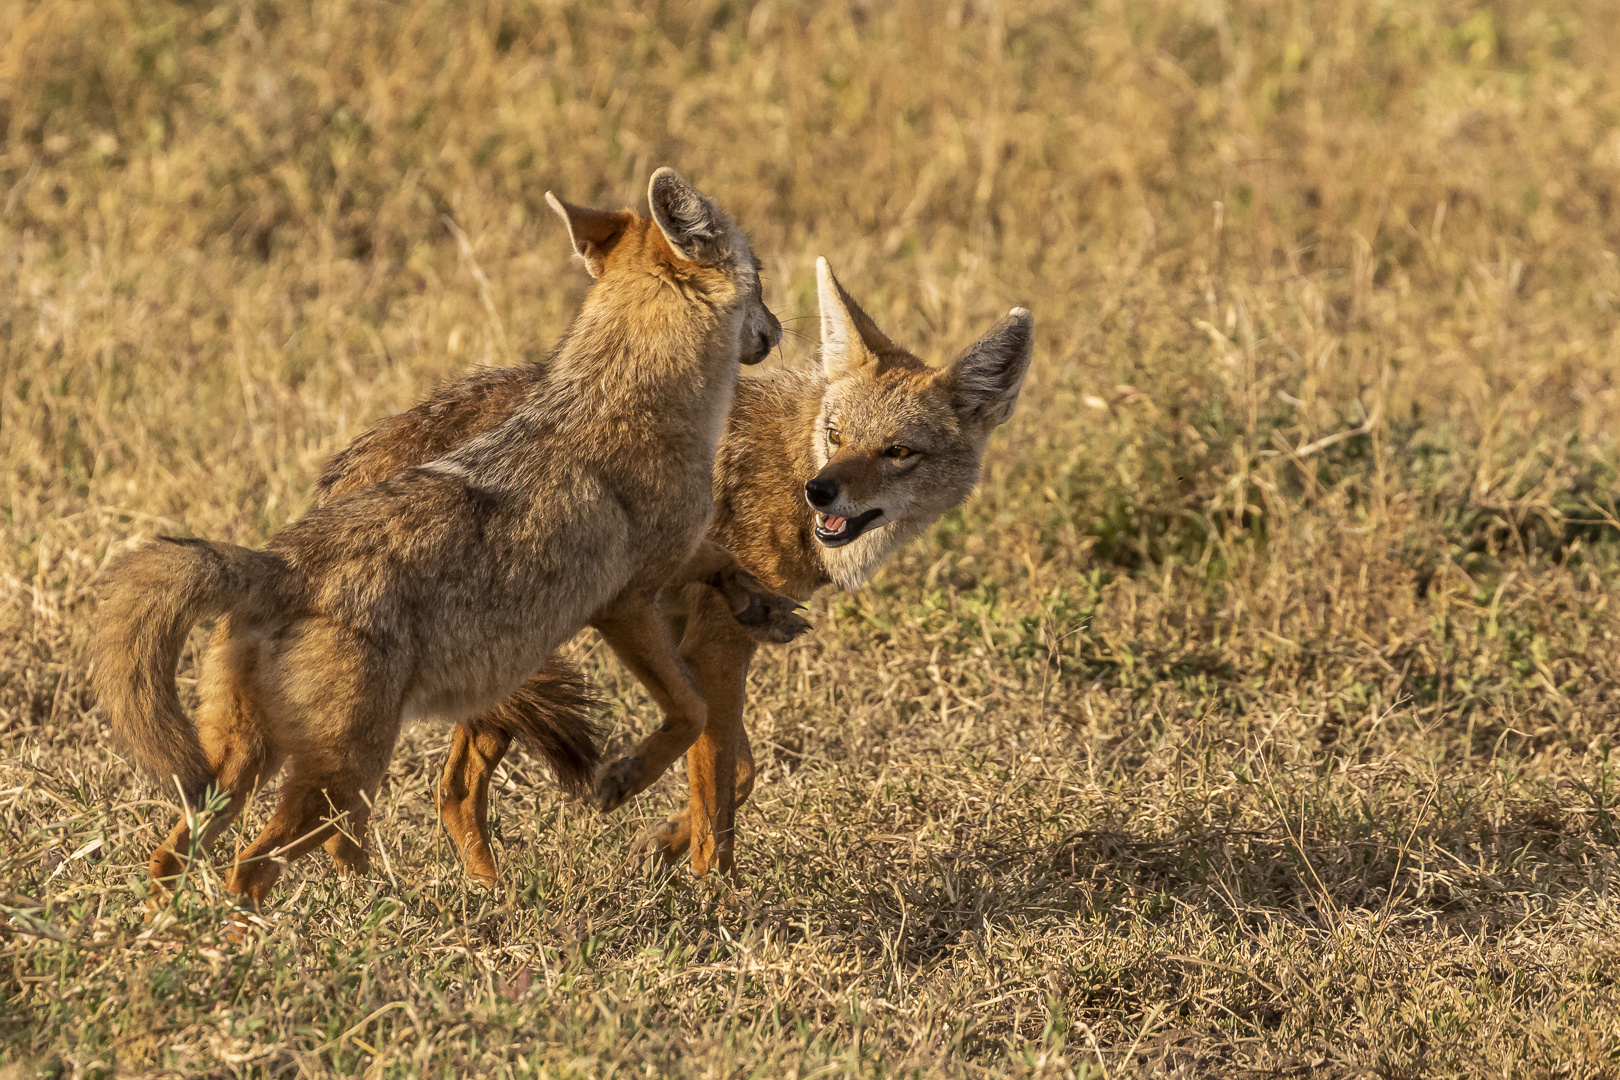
(850, 340)
(688, 219)
(592, 232)
(984, 381)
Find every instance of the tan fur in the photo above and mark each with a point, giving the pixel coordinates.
(467, 408)
(877, 396)
(439, 591)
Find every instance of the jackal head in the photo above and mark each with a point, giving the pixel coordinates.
(690, 244)
(899, 441)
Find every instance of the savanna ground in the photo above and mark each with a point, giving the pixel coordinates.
(1255, 719)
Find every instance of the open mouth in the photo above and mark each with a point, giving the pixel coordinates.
(835, 531)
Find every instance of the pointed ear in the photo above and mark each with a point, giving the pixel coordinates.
(849, 338)
(688, 219)
(592, 232)
(985, 380)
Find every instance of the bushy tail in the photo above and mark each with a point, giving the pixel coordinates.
(554, 715)
(149, 601)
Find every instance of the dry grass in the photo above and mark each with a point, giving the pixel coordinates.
(1255, 718)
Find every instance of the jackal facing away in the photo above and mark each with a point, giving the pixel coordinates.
(818, 479)
(440, 591)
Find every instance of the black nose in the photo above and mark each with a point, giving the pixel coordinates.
(763, 346)
(820, 491)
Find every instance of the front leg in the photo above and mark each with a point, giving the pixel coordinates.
(635, 630)
(770, 617)
(720, 765)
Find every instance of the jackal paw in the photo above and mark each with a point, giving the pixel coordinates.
(617, 782)
(239, 924)
(480, 869)
(772, 619)
(668, 840)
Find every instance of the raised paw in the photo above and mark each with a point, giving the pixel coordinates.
(772, 618)
(617, 781)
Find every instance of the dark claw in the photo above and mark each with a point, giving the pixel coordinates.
(782, 629)
(772, 618)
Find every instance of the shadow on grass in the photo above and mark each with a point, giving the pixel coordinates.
(1456, 870)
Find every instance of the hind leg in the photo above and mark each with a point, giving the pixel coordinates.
(347, 844)
(317, 806)
(228, 726)
(338, 713)
(551, 713)
(475, 750)
(238, 769)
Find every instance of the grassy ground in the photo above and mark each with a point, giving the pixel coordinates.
(1255, 719)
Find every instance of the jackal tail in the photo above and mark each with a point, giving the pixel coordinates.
(150, 599)
(554, 715)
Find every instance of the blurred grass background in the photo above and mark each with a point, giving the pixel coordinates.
(1253, 720)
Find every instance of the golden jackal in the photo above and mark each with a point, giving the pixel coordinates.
(441, 590)
(819, 478)
(888, 444)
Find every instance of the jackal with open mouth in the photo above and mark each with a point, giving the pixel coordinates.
(441, 590)
(819, 478)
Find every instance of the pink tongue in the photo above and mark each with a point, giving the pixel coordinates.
(833, 524)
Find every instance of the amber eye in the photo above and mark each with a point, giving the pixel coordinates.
(899, 452)
(834, 438)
